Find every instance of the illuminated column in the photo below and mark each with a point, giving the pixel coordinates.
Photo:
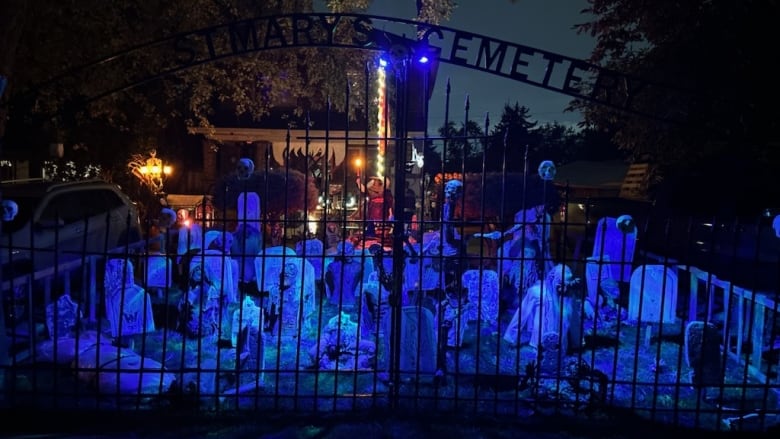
(382, 130)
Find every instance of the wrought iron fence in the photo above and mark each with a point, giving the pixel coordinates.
(487, 293)
(406, 317)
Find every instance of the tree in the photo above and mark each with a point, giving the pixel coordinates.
(462, 149)
(704, 69)
(509, 139)
(74, 43)
(281, 191)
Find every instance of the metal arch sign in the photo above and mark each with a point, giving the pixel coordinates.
(536, 67)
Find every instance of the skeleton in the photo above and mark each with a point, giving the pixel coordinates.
(547, 170)
(167, 218)
(531, 225)
(244, 168)
(10, 210)
(452, 242)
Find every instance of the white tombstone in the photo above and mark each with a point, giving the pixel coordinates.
(219, 243)
(210, 237)
(653, 295)
(158, 272)
(202, 309)
(296, 289)
(422, 272)
(483, 290)
(247, 244)
(190, 238)
(619, 248)
(314, 252)
(343, 276)
(248, 209)
(128, 307)
(418, 340)
(63, 318)
(219, 267)
(268, 265)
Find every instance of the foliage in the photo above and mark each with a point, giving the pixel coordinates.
(86, 46)
(498, 195)
(510, 136)
(706, 68)
(461, 150)
(516, 144)
(77, 167)
(280, 191)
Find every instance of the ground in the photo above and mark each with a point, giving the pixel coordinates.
(621, 368)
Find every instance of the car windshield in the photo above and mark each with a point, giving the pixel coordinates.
(27, 206)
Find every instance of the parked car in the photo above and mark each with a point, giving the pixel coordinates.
(60, 221)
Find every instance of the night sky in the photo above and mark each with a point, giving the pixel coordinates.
(541, 24)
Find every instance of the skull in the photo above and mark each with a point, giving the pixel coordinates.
(776, 226)
(547, 170)
(10, 210)
(245, 168)
(224, 242)
(289, 272)
(561, 278)
(453, 189)
(625, 223)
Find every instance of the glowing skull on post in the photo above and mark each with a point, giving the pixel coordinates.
(244, 168)
(625, 223)
(547, 170)
(10, 210)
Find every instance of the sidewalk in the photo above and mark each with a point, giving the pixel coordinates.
(347, 425)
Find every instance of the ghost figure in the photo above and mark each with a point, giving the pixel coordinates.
(167, 218)
(625, 223)
(343, 276)
(547, 170)
(776, 226)
(10, 210)
(245, 168)
(548, 306)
